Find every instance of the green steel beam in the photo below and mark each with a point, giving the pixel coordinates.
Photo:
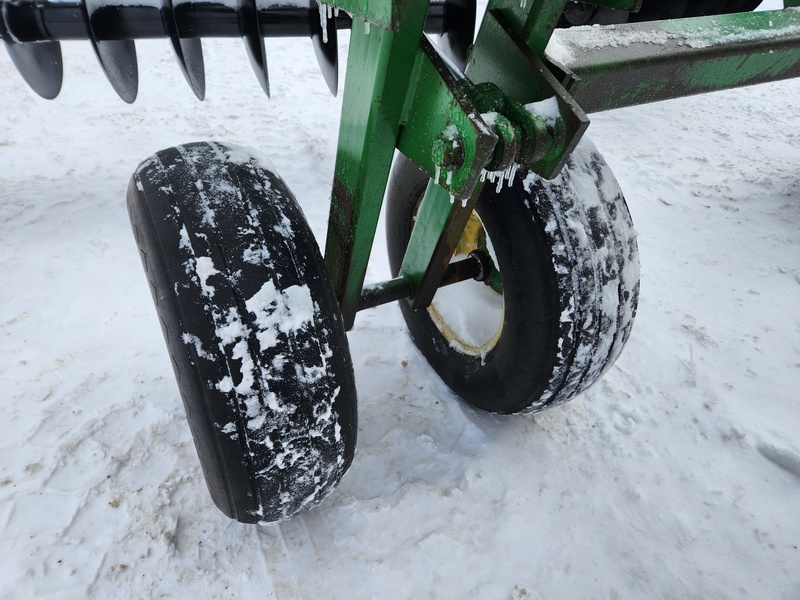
(379, 67)
(438, 105)
(439, 110)
(498, 57)
(440, 222)
(626, 65)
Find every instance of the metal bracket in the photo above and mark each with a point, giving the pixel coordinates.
(501, 57)
(521, 137)
(452, 124)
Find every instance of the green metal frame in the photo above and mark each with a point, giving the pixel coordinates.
(401, 94)
(693, 56)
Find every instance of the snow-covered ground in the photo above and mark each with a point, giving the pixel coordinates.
(677, 476)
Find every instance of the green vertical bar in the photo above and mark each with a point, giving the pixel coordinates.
(379, 67)
(439, 225)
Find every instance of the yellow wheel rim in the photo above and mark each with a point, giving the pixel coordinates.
(469, 315)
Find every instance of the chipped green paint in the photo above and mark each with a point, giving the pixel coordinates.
(648, 62)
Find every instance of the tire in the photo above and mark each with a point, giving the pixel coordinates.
(577, 14)
(252, 326)
(566, 251)
(586, 13)
(656, 10)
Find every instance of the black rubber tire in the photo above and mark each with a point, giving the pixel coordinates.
(586, 13)
(656, 10)
(252, 325)
(567, 253)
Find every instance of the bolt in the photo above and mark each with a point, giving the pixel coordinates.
(448, 150)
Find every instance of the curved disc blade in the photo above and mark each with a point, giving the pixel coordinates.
(118, 60)
(40, 65)
(189, 51)
(459, 30)
(193, 66)
(253, 41)
(116, 57)
(326, 46)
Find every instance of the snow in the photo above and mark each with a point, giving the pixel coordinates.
(567, 45)
(285, 311)
(546, 109)
(204, 267)
(325, 11)
(239, 155)
(677, 476)
(471, 327)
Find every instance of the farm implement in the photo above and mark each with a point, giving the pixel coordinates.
(513, 254)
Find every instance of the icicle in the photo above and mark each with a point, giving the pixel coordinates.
(483, 175)
(452, 199)
(366, 27)
(507, 174)
(497, 177)
(513, 174)
(464, 202)
(336, 11)
(523, 4)
(449, 177)
(436, 174)
(323, 20)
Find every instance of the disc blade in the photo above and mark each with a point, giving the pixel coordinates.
(193, 66)
(326, 47)
(459, 30)
(253, 41)
(188, 51)
(40, 65)
(118, 60)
